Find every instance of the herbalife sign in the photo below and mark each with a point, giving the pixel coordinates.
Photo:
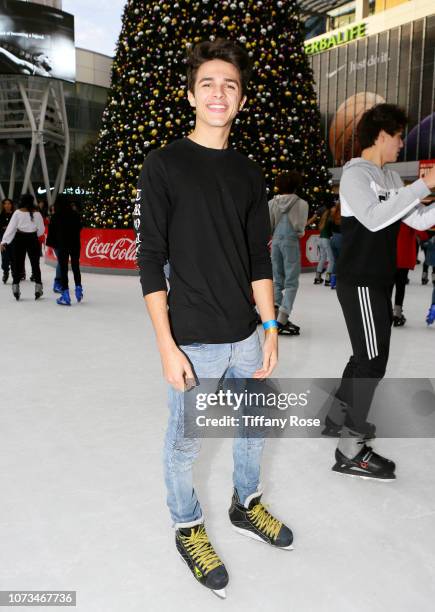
(341, 37)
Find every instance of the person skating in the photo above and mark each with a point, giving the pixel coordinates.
(7, 210)
(373, 200)
(25, 228)
(430, 261)
(326, 256)
(288, 218)
(64, 236)
(203, 206)
(406, 260)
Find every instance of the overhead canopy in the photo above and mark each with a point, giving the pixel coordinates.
(315, 7)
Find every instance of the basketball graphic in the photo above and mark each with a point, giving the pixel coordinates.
(344, 125)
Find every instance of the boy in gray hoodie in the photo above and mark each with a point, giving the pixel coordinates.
(288, 218)
(373, 201)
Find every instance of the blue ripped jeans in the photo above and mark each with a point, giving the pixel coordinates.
(235, 360)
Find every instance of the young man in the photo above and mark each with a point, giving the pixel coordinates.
(373, 201)
(203, 206)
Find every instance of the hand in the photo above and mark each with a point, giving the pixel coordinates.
(429, 178)
(270, 354)
(177, 369)
(3, 246)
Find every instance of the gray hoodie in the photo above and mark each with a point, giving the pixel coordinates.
(373, 201)
(364, 185)
(295, 208)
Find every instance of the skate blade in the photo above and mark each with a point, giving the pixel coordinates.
(353, 474)
(254, 536)
(220, 593)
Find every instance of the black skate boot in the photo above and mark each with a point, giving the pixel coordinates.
(399, 320)
(255, 521)
(424, 278)
(289, 329)
(16, 291)
(196, 550)
(38, 290)
(5, 277)
(318, 280)
(366, 464)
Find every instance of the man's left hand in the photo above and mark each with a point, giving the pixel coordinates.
(270, 355)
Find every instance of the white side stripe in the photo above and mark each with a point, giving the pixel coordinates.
(368, 322)
(372, 323)
(363, 315)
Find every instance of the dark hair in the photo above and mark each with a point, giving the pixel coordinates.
(222, 49)
(387, 117)
(28, 201)
(288, 182)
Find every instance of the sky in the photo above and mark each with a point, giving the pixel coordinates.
(97, 23)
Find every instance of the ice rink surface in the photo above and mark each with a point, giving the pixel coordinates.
(83, 414)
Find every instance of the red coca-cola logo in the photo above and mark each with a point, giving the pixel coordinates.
(122, 249)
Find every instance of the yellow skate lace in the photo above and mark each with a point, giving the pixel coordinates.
(264, 521)
(202, 552)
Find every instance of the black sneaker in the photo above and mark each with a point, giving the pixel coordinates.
(366, 464)
(199, 555)
(254, 520)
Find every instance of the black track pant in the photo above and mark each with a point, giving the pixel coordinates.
(26, 243)
(400, 283)
(368, 315)
(63, 256)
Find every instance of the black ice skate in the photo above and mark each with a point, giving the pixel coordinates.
(318, 280)
(196, 550)
(399, 320)
(38, 291)
(289, 329)
(366, 464)
(16, 291)
(252, 519)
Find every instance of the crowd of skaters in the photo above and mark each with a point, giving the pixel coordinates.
(26, 228)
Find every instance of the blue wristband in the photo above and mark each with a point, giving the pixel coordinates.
(269, 324)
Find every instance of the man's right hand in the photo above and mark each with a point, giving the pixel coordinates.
(176, 368)
(429, 178)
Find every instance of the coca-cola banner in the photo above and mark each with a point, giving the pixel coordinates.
(115, 249)
(105, 248)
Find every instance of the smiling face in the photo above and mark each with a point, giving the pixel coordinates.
(217, 95)
(391, 145)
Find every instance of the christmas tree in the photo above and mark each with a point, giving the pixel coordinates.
(147, 103)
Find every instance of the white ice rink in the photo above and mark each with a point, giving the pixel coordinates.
(82, 499)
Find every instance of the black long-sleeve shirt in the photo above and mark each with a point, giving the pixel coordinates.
(206, 211)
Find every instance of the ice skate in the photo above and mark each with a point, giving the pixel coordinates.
(79, 293)
(424, 278)
(57, 287)
(399, 320)
(327, 279)
(38, 291)
(197, 552)
(16, 291)
(253, 520)
(65, 299)
(366, 464)
(5, 277)
(288, 329)
(318, 280)
(333, 281)
(431, 315)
